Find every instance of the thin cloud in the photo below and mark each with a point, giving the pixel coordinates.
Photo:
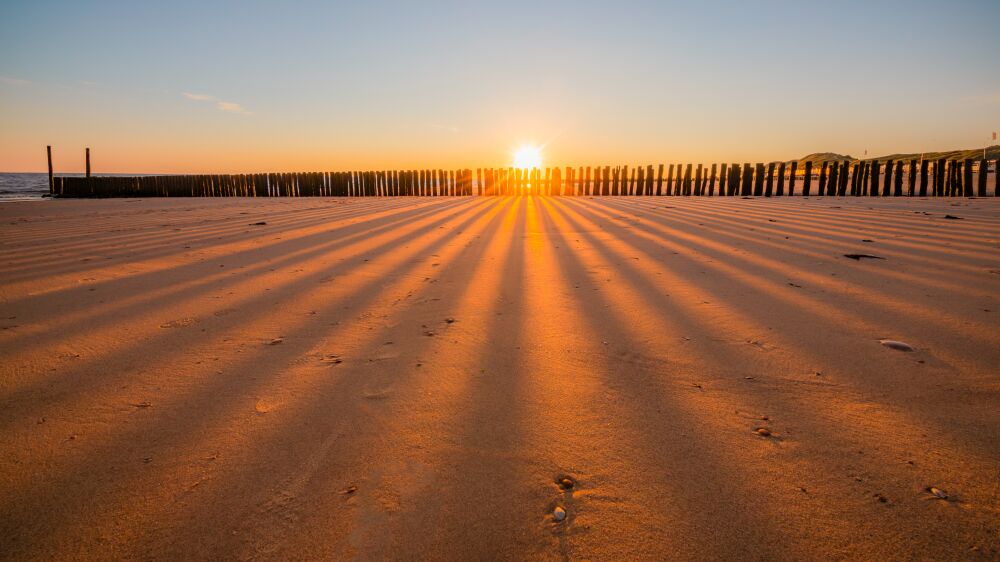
(227, 106)
(197, 97)
(14, 81)
(231, 107)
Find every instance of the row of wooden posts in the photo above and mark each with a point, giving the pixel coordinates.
(953, 178)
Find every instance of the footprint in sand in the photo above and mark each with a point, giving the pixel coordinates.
(180, 323)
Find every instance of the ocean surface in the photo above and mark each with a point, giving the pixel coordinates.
(15, 187)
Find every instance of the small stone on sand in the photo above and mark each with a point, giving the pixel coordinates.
(897, 345)
(566, 483)
(558, 514)
(937, 492)
(763, 431)
(275, 341)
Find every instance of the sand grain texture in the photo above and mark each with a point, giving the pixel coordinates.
(418, 379)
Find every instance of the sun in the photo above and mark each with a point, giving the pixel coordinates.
(528, 156)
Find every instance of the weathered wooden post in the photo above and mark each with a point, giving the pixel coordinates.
(640, 180)
(854, 179)
(697, 181)
(967, 179)
(48, 152)
(670, 179)
(791, 177)
(88, 161)
(659, 181)
(831, 186)
(807, 181)
(733, 187)
(887, 184)
(822, 179)
(912, 178)
(984, 167)
(687, 180)
(769, 188)
(723, 177)
(747, 188)
(923, 178)
(996, 177)
(873, 190)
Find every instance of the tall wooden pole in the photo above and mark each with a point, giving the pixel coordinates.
(88, 162)
(48, 150)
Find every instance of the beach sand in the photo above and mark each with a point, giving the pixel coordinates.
(411, 378)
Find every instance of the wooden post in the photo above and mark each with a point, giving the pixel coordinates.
(88, 161)
(780, 191)
(747, 188)
(687, 180)
(670, 179)
(792, 178)
(912, 179)
(48, 151)
(967, 179)
(996, 177)
(640, 180)
(854, 179)
(923, 178)
(831, 187)
(697, 181)
(822, 179)
(873, 186)
(769, 188)
(807, 181)
(711, 181)
(723, 177)
(659, 181)
(887, 185)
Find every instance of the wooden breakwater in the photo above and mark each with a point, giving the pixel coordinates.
(866, 178)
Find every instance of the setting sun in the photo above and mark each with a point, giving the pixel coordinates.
(528, 156)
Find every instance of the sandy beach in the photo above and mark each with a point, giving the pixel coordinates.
(430, 378)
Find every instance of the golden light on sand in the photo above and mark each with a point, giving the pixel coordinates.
(528, 156)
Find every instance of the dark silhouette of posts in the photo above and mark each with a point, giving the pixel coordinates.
(711, 181)
(807, 180)
(48, 151)
(791, 178)
(697, 180)
(659, 181)
(769, 188)
(854, 178)
(87, 152)
(898, 184)
(780, 191)
(822, 179)
(874, 185)
(723, 178)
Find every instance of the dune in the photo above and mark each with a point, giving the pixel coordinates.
(500, 378)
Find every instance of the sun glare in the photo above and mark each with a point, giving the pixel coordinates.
(528, 156)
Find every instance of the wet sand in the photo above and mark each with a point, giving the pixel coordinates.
(410, 378)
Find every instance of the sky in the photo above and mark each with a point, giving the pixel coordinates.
(254, 86)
